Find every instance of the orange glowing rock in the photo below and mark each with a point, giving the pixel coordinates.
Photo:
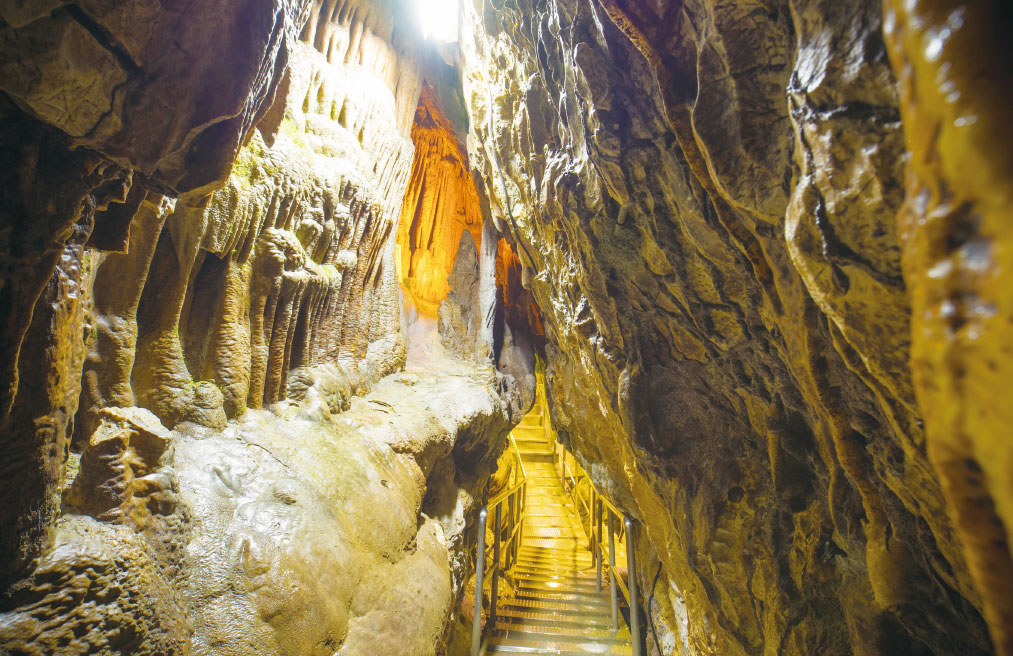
(518, 303)
(441, 202)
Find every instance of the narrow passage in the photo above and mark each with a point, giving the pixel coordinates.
(557, 609)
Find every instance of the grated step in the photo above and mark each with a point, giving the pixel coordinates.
(499, 645)
(515, 631)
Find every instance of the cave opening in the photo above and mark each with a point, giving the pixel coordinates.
(438, 19)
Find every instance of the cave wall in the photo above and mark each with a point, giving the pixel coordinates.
(704, 197)
(954, 66)
(210, 401)
(288, 265)
(765, 245)
(88, 89)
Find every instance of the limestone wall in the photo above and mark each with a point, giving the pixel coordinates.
(210, 444)
(102, 105)
(761, 243)
(704, 197)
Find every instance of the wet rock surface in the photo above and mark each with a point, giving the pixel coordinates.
(96, 591)
(704, 199)
(296, 531)
(237, 255)
(101, 99)
(310, 536)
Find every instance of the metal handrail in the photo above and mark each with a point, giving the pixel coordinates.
(518, 458)
(496, 500)
(595, 506)
(515, 499)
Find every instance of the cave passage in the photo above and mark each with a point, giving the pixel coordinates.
(550, 327)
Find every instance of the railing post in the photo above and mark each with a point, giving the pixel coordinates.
(631, 566)
(511, 523)
(597, 542)
(520, 520)
(476, 624)
(612, 570)
(518, 509)
(496, 526)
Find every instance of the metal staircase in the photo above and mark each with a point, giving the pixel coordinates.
(559, 606)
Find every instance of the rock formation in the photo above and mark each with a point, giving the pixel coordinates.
(440, 204)
(275, 273)
(96, 94)
(218, 319)
(708, 200)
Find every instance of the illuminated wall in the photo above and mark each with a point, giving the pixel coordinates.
(440, 204)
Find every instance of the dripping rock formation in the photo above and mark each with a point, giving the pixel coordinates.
(224, 451)
(277, 276)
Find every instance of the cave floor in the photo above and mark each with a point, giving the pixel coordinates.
(556, 608)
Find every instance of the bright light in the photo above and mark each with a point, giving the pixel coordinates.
(438, 18)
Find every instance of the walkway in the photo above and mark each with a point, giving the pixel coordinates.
(556, 609)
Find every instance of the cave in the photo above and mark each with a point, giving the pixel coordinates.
(464, 327)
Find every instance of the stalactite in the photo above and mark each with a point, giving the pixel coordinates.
(440, 203)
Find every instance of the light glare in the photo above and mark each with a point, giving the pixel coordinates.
(438, 18)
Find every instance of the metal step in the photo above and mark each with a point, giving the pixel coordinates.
(536, 566)
(561, 607)
(586, 589)
(549, 519)
(578, 598)
(500, 645)
(516, 631)
(531, 455)
(563, 571)
(550, 567)
(548, 575)
(550, 622)
(548, 551)
(550, 618)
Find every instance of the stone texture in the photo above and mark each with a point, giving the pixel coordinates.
(249, 262)
(97, 94)
(44, 292)
(265, 537)
(107, 73)
(440, 204)
(96, 591)
(760, 245)
(702, 196)
(460, 312)
(118, 476)
(291, 263)
(292, 555)
(953, 64)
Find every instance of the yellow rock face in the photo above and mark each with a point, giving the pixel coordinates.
(765, 244)
(744, 349)
(953, 65)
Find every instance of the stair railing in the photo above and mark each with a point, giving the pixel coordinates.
(597, 508)
(514, 499)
